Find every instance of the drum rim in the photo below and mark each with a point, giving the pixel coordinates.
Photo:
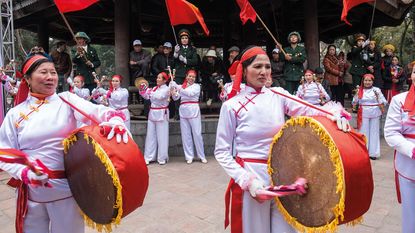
(102, 155)
(328, 141)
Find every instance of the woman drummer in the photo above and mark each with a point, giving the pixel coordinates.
(371, 104)
(117, 97)
(253, 117)
(312, 91)
(157, 139)
(400, 135)
(37, 126)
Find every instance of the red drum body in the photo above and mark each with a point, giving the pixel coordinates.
(336, 166)
(108, 180)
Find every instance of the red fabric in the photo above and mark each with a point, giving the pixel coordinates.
(183, 12)
(236, 87)
(409, 105)
(247, 11)
(237, 198)
(348, 5)
(188, 72)
(357, 171)
(80, 111)
(73, 5)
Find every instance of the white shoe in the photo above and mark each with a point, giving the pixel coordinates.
(147, 162)
(209, 102)
(162, 162)
(189, 161)
(203, 160)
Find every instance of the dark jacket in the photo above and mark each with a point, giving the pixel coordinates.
(192, 62)
(375, 61)
(160, 63)
(82, 68)
(294, 69)
(387, 79)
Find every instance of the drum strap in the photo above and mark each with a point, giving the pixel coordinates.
(189, 102)
(237, 196)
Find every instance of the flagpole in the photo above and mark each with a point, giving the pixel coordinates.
(172, 27)
(67, 25)
(269, 32)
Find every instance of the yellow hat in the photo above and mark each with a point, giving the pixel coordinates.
(388, 46)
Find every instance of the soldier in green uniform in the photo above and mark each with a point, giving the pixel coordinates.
(85, 59)
(294, 58)
(185, 56)
(359, 57)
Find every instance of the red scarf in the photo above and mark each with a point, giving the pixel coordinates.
(409, 105)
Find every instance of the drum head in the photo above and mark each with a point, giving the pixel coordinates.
(309, 159)
(91, 186)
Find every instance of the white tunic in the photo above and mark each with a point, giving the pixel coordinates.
(227, 88)
(311, 92)
(41, 135)
(159, 97)
(82, 92)
(189, 100)
(252, 119)
(397, 124)
(369, 102)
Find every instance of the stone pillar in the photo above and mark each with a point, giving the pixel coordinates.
(122, 39)
(43, 35)
(311, 33)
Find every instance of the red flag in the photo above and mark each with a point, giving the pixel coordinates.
(183, 12)
(73, 5)
(247, 11)
(348, 5)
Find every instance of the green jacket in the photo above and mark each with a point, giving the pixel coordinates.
(192, 62)
(82, 68)
(294, 69)
(358, 67)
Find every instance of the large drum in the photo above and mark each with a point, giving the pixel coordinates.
(336, 166)
(108, 180)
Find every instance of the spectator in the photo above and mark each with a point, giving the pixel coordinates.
(211, 72)
(294, 58)
(374, 64)
(277, 69)
(85, 58)
(161, 61)
(347, 77)
(233, 52)
(139, 61)
(358, 58)
(63, 64)
(37, 50)
(385, 62)
(319, 72)
(334, 74)
(394, 78)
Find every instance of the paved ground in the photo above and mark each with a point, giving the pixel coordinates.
(189, 198)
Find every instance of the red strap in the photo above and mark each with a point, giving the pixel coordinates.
(21, 208)
(412, 136)
(302, 102)
(369, 105)
(190, 102)
(80, 111)
(237, 197)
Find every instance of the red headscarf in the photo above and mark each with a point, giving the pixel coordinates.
(236, 87)
(165, 76)
(308, 71)
(111, 86)
(187, 73)
(360, 96)
(23, 91)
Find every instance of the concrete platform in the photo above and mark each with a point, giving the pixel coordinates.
(186, 198)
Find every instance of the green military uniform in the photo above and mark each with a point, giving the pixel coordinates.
(181, 68)
(358, 67)
(81, 68)
(294, 69)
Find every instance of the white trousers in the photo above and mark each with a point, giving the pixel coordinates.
(370, 128)
(262, 217)
(189, 127)
(157, 141)
(408, 204)
(61, 216)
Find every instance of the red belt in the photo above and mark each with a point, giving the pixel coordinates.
(23, 196)
(158, 108)
(237, 198)
(122, 108)
(189, 102)
(370, 105)
(412, 136)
